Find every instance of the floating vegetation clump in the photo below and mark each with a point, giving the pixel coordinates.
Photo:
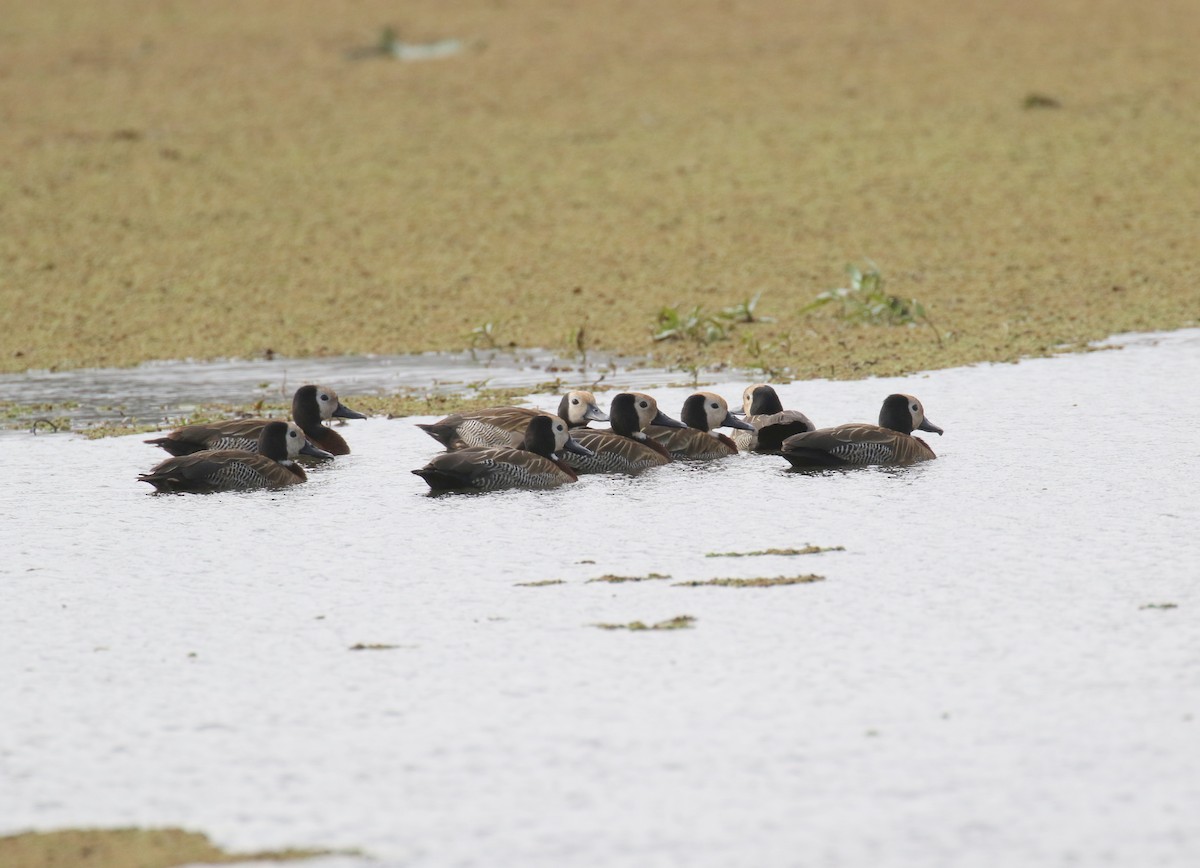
(616, 580)
(806, 550)
(679, 622)
(540, 584)
(760, 582)
(373, 646)
(1159, 606)
(147, 847)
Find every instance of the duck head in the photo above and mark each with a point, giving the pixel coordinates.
(579, 408)
(761, 400)
(548, 435)
(706, 411)
(323, 401)
(905, 414)
(285, 441)
(632, 412)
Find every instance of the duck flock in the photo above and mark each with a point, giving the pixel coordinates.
(519, 447)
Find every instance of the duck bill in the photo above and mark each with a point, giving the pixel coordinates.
(573, 445)
(737, 412)
(595, 414)
(315, 452)
(666, 421)
(346, 413)
(732, 422)
(926, 425)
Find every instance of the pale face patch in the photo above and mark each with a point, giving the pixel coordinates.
(560, 434)
(916, 410)
(647, 409)
(295, 440)
(327, 402)
(715, 410)
(577, 406)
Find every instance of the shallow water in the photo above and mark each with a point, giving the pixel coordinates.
(975, 682)
(155, 390)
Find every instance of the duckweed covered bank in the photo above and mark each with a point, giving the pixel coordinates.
(203, 181)
(188, 182)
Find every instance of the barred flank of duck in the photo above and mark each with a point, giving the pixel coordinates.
(272, 465)
(889, 442)
(311, 407)
(625, 448)
(505, 426)
(533, 465)
(702, 412)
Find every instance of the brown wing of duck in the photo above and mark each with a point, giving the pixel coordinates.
(615, 453)
(221, 470)
(690, 442)
(855, 444)
(198, 438)
(493, 426)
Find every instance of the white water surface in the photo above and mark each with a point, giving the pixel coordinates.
(977, 682)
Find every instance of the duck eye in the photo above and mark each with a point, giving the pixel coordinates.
(714, 406)
(574, 400)
(914, 408)
(324, 397)
(644, 404)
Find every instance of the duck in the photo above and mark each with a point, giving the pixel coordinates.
(889, 442)
(312, 405)
(625, 448)
(271, 465)
(702, 413)
(533, 465)
(506, 426)
(770, 423)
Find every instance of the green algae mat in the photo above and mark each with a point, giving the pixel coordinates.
(224, 179)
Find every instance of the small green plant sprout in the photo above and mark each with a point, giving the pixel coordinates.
(483, 336)
(695, 325)
(577, 343)
(702, 327)
(866, 301)
(1040, 101)
(743, 311)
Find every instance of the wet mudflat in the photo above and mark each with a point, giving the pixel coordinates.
(1001, 665)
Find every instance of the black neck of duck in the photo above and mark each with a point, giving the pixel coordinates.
(765, 402)
(622, 415)
(896, 415)
(693, 414)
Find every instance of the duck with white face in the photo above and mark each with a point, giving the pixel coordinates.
(271, 465)
(505, 426)
(889, 442)
(771, 424)
(535, 464)
(625, 448)
(702, 413)
(312, 406)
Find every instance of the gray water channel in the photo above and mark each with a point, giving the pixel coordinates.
(162, 390)
(1002, 667)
